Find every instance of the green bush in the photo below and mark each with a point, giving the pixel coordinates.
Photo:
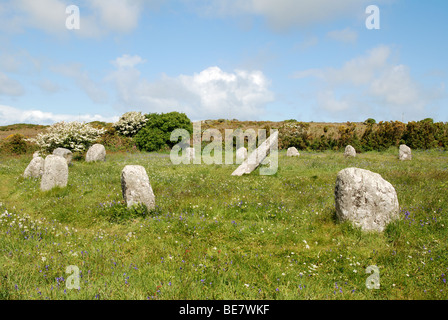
(14, 144)
(114, 141)
(155, 135)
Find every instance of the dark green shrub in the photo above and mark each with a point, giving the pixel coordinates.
(155, 135)
(116, 142)
(14, 144)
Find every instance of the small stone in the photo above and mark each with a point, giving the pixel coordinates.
(55, 173)
(35, 168)
(366, 199)
(65, 153)
(404, 152)
(241, 154)
(97, 152)
(292, 152)
(349, 152)
(136, 188)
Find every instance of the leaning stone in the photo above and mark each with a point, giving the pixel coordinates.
(65, 153)
(365, 198)
(35, 168)
(241, 154)
(97, 152)
(292, 152)
(404, 152)
(349, 152)
(135, 186)
(55, 173)
(257, 156)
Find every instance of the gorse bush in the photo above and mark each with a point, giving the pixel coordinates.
(75, 136)
(155, 135)
(14, 144)
(294, 134)
(130, 123)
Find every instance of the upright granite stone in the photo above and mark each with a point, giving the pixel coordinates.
(36, 154)
(349, 152)
(35, 168)
(55, 173)
(257, 156)
(190, 154)
(404, 152)
(65, 153)
(97, 152)
(365, 198)
(136, 188)
(241, 154)
(292, 152)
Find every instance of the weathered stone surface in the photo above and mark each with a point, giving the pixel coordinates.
(55, 173)
(190, 153)
(135, 186)
(35, 168)
(257, 156)
(365, 198)
(65, 153)
(36, 154)
(97, 152)
(404, 152)
(349, 152)
(241, 154)
(292, 152)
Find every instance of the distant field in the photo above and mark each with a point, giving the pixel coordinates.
(216, 236)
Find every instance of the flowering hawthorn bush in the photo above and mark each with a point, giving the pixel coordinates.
(75, 136)
(130, 123)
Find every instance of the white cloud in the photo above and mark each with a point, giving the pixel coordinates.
(211, 93)
(97, 17)
(10, 87)
(346, 35)
(283, 14)
(11, 115)
(127, 61)
(371, 83)
(83, 80)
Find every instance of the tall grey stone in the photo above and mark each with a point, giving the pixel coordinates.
(35, 168)
(55, 173)
(292, 152)
(365, 198)
(241, 154)
(135, 186)
(257, 156)
(404, 152)
(96, 152)
(349, 152)
(65, 153)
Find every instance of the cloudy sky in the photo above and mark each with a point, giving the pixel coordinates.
(310, 60)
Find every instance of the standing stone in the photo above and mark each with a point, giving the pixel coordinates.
(36, 154)
(241, 154)
(190, 154)
(365, 198)
(136, 188)
(35, 168)
(257, 156)
(292, 152)
(349, 152)
(55, 173)
(404, 152)
(65, 153)
(97, 152)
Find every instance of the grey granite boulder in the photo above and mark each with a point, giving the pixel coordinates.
(349, 152)
(97, 152)
(241, 154)
(365, 198)
(35, 168)
(292, 152)
(135, 186)
(404, 152)
(55, 173)
(65, 153)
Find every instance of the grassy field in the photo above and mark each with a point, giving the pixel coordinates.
(216, 236)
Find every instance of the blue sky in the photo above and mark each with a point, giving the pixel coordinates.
(244, 59)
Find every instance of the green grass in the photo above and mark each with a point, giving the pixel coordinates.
(216, 236)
